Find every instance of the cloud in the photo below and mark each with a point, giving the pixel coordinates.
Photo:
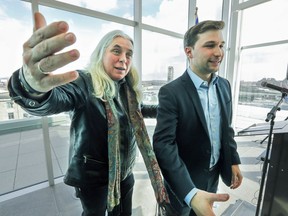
(16, 31)
(100, 5)
(166, 16)
(2, 12)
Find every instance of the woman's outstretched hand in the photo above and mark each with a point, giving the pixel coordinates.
(41, 57)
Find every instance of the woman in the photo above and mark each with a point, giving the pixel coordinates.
(106, 115)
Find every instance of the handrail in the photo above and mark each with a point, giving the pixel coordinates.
(16, 125)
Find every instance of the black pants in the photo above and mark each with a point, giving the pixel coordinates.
(212, 186)
(94, 199)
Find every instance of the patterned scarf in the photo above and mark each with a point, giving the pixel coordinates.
(144, 145)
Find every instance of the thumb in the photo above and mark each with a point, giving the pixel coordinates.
(219, 197)
(39, 21)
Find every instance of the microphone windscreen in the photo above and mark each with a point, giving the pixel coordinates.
(264, 84)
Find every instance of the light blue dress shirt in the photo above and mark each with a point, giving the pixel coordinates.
(211, 107)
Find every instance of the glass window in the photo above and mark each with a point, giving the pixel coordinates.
(59, 134)
(15, 19)
(266, 22)
(88, 31)
(213, 12)
(163, 60)
(264, 64)
(9, 104)
(123, 8)
(171, 15)
(16, 26)
(10, 115)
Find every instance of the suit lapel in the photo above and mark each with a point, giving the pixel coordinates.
(220, 92)
(194, 98)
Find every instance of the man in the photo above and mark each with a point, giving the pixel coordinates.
(193, 140)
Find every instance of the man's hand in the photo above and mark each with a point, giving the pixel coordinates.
(236, 177)
(41, 57)
(202, 202)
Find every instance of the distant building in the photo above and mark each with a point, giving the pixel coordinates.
(8, 108)
(150, 90)
(170, 73)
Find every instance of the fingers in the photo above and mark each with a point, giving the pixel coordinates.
(210, 197)
(236, 181)
(202, 202)
(236, 177)
(50, 81)
(39, 50)
(60, 79)
(42, 31)
(48, 40)
(41, 54)
(54, 62)
(45, 51)
(39, 21)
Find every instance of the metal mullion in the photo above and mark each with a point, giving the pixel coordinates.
(265, 44)
(161, 31)
(83, 11)
(248, 4)
(47, 148)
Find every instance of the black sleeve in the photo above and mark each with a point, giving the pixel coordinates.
(149, 111)
(60, 99)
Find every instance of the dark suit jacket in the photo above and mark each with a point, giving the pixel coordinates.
(181, 141)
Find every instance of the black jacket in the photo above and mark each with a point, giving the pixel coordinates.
(181, 139)
(88, 132)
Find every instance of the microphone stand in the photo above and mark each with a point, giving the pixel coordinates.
(270, 117)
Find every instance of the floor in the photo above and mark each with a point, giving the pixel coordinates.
(22, 163)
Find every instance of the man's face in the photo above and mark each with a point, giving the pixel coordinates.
(207, 53)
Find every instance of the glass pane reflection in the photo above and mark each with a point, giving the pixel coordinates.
(16, 28)
(123, 8)
(265, 23)
(213, 12)
(88, 31)
(171, 15)
(163, 60)
(265, 64)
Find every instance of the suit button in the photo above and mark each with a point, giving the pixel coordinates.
(32, 103)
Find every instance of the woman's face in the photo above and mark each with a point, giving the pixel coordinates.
(117, 59)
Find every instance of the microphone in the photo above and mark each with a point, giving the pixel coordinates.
(274, 87)
(287, 73)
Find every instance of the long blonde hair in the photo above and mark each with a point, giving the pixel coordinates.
(104, 86)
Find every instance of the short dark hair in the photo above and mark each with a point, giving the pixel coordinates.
(191, 36)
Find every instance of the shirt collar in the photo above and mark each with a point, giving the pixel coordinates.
(198, 81)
